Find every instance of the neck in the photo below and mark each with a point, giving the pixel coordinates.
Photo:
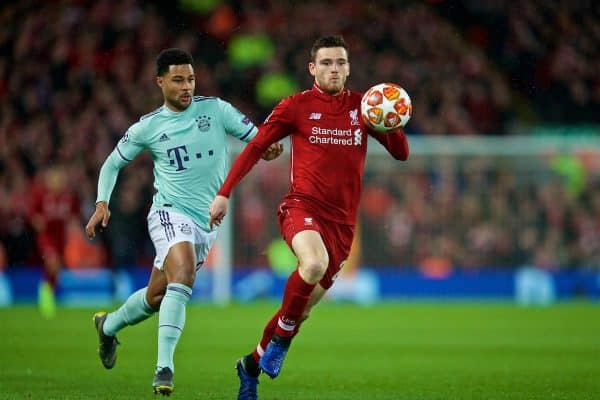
(327, 92)
(173, 108)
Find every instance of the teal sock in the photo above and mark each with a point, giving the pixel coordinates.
(171, 320)
(134, 310)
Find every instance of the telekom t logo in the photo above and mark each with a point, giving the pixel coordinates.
(181, 155)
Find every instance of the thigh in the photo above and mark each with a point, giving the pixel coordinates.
(302, 232)
(202, 245)
(338, 240)
(180, 264)
(310, 236)
(309, 248)
(167, 229)
(293, 221)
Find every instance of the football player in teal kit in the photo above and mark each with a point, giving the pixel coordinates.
(187, 140)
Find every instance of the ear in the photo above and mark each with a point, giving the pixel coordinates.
(159, 81)
(312, 68)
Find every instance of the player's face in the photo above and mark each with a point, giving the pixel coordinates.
(178, 86)
(330, 69)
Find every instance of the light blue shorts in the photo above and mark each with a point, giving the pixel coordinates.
(167, 228)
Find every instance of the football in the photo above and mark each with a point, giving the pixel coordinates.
(385, 107)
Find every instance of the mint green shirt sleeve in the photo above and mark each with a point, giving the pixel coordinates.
(235, 123)
(108, 176)
(126, 150)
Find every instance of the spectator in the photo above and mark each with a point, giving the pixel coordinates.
(474, 67)
(54, 206)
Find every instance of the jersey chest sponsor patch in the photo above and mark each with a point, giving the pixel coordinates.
(335, 136)
(341, 130)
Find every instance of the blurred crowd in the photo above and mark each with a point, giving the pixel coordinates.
(75, 74)
(548, 51)
(442, 212)
(483, 211)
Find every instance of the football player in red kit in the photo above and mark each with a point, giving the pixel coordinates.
(53, 206)
(318, 215)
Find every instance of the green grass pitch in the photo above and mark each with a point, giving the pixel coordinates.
(389, 351)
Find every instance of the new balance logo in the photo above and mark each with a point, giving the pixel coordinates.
(163, 138)
(315, 116)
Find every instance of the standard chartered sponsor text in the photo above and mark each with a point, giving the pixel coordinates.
(331, 140)
(341, 137)
(331, 132)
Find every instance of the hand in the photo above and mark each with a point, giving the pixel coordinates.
(101, 215)
(273, 152)
(217, 210)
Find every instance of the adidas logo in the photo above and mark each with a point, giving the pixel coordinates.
(163, 138)
(315, 116)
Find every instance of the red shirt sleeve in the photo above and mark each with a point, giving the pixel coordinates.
(277, 126)
(395, 143)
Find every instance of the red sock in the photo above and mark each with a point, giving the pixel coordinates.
(268, 334)
(295, 297)
(296, 301)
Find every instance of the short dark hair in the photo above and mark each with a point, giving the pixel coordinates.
(327, 41)
(172, 56)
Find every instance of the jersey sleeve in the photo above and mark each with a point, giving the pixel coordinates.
(237, 124)
(277, 126)
(126, 150)
(132, 143)
(395, 142)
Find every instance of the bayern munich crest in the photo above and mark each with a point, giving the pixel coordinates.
(203, 123)
(185, 229)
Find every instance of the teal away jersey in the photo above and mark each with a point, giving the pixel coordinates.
(189, 150)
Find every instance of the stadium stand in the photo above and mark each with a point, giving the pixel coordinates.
(75, 74)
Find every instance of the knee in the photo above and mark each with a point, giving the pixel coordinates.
(184, 278)
(313, 270)
(184, 274)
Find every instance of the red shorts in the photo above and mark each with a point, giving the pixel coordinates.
(337, 237)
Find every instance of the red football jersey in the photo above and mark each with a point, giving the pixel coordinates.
(51, 212)
(328, 150)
